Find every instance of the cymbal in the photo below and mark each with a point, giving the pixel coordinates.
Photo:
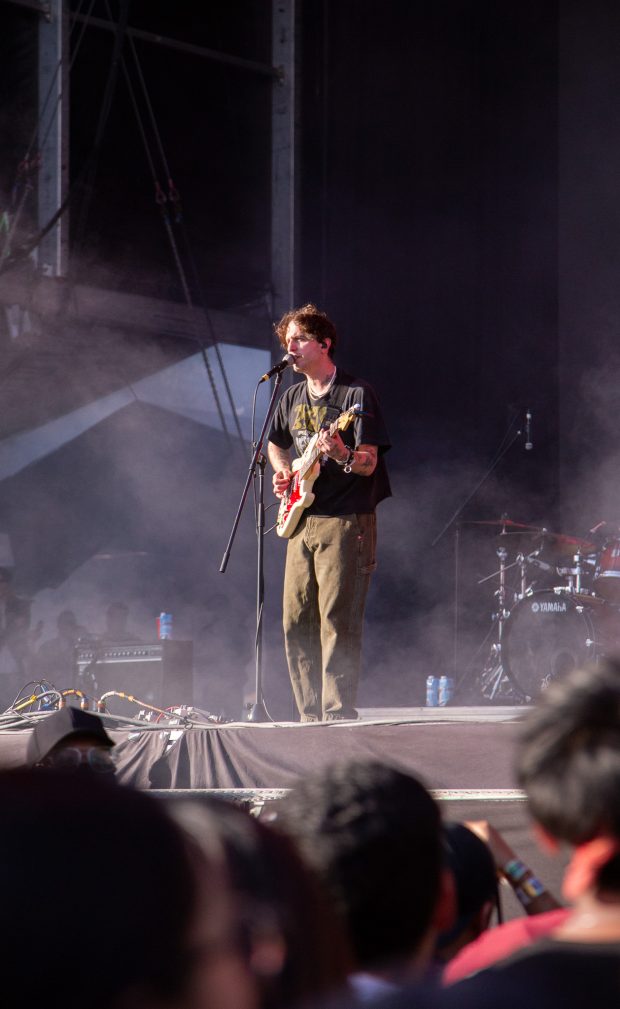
(520, 526)
(562, 544)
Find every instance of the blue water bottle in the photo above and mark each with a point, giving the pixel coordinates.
(164, 626)
(446, 686)
(432, 691)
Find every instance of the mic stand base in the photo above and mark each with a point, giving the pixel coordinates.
(258, 713)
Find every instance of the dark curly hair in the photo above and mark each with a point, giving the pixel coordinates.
(373, 834)
(315, 323)
(568, 759)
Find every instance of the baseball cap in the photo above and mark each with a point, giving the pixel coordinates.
(61, 725)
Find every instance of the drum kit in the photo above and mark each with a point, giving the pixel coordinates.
(563, 612)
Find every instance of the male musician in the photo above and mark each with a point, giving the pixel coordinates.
(331, 552)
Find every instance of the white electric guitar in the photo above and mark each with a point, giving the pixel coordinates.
(298, 495)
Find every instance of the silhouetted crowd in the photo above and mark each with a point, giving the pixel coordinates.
(350, 891)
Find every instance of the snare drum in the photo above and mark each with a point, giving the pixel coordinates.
(549, 633)
(607, 575)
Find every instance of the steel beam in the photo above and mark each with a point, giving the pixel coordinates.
(284, 174)
(53, 250)
(183, 47)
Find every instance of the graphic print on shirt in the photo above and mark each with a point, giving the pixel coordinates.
(307, 420)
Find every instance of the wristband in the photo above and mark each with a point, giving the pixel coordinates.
(530, 890)
(515, 870)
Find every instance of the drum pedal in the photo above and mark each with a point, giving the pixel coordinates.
(495, 683)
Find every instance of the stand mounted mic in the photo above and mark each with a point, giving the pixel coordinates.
(286, 361)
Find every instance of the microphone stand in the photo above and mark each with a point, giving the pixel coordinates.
(257, 465)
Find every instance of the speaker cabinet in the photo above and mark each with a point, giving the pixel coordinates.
(160, 674)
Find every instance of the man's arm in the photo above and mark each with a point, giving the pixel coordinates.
(531, 893)
(363, 461)
(280, 459)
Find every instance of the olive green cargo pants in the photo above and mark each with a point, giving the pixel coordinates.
(329, 562)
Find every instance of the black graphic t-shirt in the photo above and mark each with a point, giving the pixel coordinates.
(299, 416)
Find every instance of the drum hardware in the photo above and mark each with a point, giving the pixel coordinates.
(520, 562)
(493, 682)
(578, 577)
(542, 633)
(576, 573)
(512, 434)
(531, 559)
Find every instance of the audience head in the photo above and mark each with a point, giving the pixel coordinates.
(71, 739)
(476, 891)
(67, 625)
(122, 911)
(373, 833)
(116, 617)
(294, 943)
(568, 762)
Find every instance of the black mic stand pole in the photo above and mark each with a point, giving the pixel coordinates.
(258, 463)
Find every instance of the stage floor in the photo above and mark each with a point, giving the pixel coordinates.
(448, 748)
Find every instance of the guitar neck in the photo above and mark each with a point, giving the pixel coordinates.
(312, 453)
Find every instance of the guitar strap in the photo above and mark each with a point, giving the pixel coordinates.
(338, 396)
(338, 400)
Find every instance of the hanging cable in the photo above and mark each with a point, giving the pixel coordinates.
(161, 200)
(85, 21)
(88, 184)
(174, 199)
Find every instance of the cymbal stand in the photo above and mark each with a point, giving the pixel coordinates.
(493, 681)
(523, 561)
(578, 570)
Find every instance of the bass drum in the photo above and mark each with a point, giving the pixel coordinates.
(550, 633)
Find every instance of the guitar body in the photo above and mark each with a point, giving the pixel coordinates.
(305, 470)
(298, 497)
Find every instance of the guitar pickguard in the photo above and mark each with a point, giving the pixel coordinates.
(306, 469)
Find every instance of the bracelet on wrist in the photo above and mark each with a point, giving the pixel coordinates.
(529, 891)
(348, 462)
(515, 870)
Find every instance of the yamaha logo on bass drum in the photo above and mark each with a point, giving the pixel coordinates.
(554, 606)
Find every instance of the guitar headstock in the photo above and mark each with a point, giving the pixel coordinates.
(347, 418)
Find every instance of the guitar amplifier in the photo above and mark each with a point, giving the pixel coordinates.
(160, 673)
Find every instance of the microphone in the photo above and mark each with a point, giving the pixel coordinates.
(529, 445)
(277, 368)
